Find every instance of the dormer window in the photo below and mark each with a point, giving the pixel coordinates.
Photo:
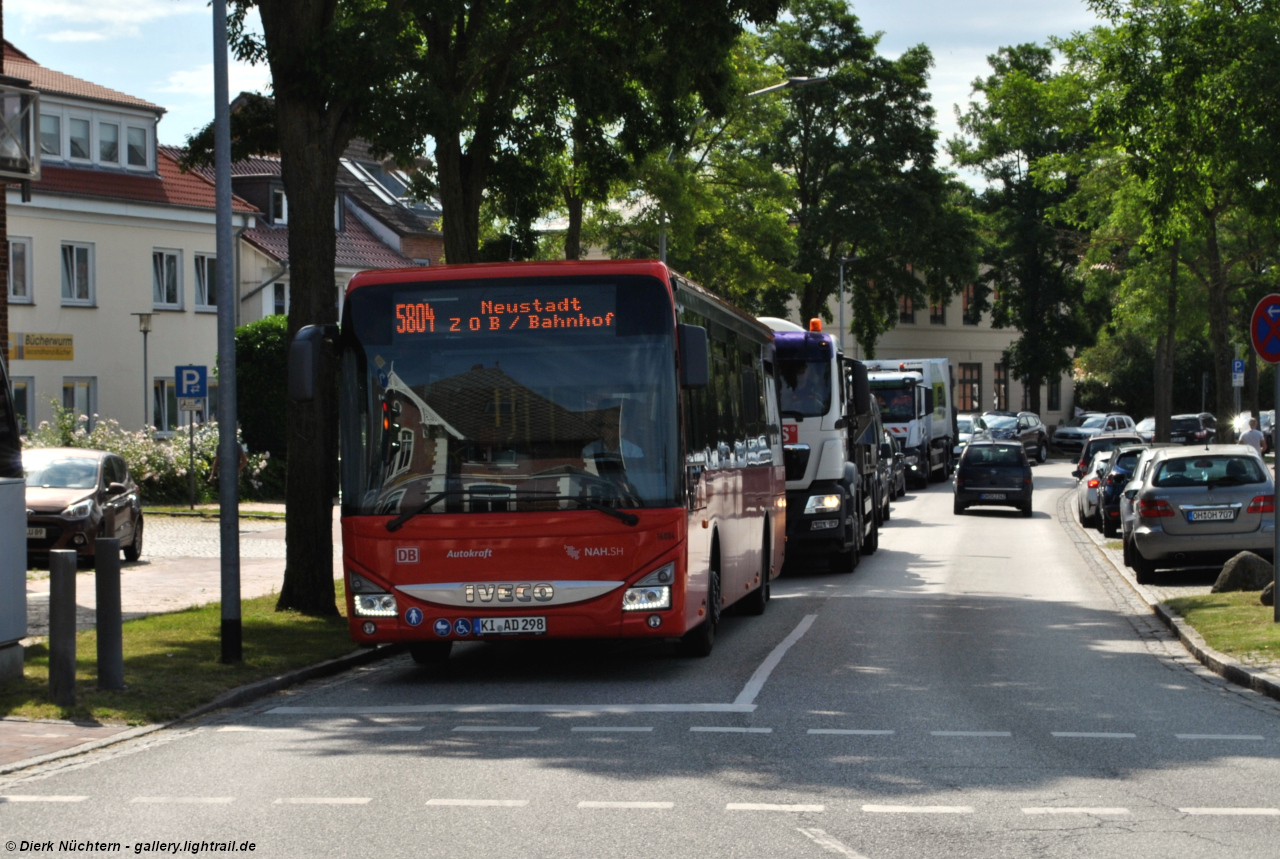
(109, 143)
(51, 135)
(138, 148)
(79, 139)
(279, 207)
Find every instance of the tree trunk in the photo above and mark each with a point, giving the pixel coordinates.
(1220, 331)
(573, 235)
(1160, 406)
(1033, 395)
(462, 179)
(1165, 351)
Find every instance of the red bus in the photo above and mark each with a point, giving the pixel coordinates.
(562, 450)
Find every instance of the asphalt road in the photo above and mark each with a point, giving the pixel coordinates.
(981, 687)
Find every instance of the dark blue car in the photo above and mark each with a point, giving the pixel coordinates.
(1123, 461)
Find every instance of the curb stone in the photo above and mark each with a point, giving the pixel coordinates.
(237, 697)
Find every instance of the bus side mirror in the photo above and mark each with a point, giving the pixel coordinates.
(304, 361)
(695, 358)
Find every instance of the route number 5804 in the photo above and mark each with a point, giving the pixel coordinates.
(415, 318)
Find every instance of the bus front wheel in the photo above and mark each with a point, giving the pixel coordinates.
(701, 639)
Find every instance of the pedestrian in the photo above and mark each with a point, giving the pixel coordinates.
(1254, 438)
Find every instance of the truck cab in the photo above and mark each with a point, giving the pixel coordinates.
(833, 509)
(914, 397)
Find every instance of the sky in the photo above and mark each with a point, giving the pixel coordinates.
(162, 50)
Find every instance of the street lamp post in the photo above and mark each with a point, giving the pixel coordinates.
(843, 260)
(789, 83)
(144, 325)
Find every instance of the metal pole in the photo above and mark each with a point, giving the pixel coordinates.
(191, 456)
(106, 583)
(228, 447)
(1275, 549)
(62, 627)
(146, 383)
(662, 236)
(842, 305)
(1204, 389)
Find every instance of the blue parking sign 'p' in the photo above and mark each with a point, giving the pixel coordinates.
(191, 381)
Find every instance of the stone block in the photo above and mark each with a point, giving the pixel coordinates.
(1245, 572)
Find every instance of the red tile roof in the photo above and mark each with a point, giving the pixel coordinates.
(171, 188)
(357, 247)
(254, 165)
(19, 65)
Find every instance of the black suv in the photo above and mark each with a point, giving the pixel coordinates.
(1106, 441)
(1023, 426)
(1193, 429)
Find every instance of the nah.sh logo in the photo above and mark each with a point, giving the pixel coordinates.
(572, 552)
(596, 552)
(406, 554)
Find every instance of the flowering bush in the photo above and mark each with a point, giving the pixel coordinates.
(159, 466)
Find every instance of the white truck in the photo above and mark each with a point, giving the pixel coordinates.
(834, 492)
(915, 404)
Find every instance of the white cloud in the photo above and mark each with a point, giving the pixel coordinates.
(108, 18)
(199, 81)
(77, 36)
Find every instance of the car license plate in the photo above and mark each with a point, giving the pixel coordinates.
(1211, 515)
(992, 496)
(511, 625)
(35, 533)
(1177, 439)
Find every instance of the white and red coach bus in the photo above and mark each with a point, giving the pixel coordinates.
(568, 450)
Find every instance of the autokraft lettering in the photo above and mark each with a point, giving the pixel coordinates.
(469, 553)
(406, 554)
(509, 592)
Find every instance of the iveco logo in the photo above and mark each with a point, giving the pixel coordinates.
(509, 592)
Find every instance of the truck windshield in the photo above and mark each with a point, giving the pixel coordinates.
(806, 388)
(897, 405)
(507, 395)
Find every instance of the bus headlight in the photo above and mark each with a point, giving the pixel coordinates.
(651, 593)
(822, 504)
(375, 605)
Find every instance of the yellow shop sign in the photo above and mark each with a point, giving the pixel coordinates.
(41, 347)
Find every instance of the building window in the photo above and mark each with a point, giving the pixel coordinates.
(969, 391)
(51, 135)
(906, 311)
(279, 206)
(1055, 396)
(20, 271)
(164, 405)
(138, 147)
(79, 139)
(24, 401)
(109, 142)
(280, 294)
(80, 396)
(967, 297)
(937, 312)
(206, 282)
(77, 274)
(166, 279)
(1002, 387)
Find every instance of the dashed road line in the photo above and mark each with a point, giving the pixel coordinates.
(767, 806)
(613, 729)
(714, 729)
(185, 800)
(479, 803)
(830, 843)
(1233, 812)
(1092, 735)
(323, 800)
(376, 729)
(918, 809)
(749, 692)
(1091, 811)
(971, 733)
(501, 729)
(586, 803)
(462, 709)
(1254, 737)
(18, 797)
(849, 732)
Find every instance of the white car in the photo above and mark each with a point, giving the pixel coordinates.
(1087, 488)
(1072, 436)
(965, 425)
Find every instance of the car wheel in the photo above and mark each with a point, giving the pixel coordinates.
(430, 652)
(1109, 528)
(1042, 455)
(1128, 553)
(957, 508)
(133, 551)
(699, 641)
(1143, 570)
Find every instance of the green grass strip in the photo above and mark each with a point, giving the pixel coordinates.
(171, 663)
(1234, 623)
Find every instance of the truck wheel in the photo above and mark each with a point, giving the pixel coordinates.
(873, 541)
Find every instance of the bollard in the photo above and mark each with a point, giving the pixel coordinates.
(62, 627)
(106, 580)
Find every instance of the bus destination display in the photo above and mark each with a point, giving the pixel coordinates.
(468, 315)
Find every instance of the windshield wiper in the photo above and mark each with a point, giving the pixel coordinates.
(590, 503)
(397, 523)
(621, 515)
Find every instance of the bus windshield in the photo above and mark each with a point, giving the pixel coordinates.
(897, 404)
(506, 395)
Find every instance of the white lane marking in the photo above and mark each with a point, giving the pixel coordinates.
(18, 797)
(593, 804)
(480, 803)
(767, 806)
(1220, 736)
(415, 709)
(712, 729)
(610, 730)
(830, 843)
(507, 729)
(971, 733)
(186, 800)
(849, 732)
(1055, 810)
(323, 800)
(375, 729)
(1241, 812)
(918, 809)
(1090, 735)
(756, 683)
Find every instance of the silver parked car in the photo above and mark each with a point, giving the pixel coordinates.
(965, 425)
(1201, 506)
(1087, 488)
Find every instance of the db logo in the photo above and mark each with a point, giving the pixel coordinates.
(406, 554)
(790, 433)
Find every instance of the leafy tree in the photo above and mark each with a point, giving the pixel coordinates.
(1030, 255)
(861, 151)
